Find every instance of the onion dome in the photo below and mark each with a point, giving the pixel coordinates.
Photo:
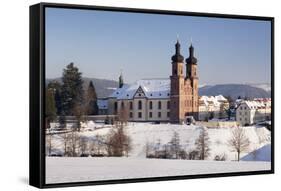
(191, 59)
(177, 57)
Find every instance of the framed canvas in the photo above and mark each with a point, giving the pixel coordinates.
(121, 95)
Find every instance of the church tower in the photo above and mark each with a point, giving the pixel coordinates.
(121, 81)
(184, 87)
(177, 86)
(191, 74)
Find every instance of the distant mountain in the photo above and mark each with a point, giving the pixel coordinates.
(234, 91)
(103, 87)
(265, 86)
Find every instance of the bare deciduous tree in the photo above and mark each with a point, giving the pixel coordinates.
(79, 112)
(118, 142)
(74, 143)
(83, 146)
(220, 157)
(202, 144)
(97, 146)
(193, 155)
(239, 142)
(175, 145)
(49, 140)
(148, 150)
(123, 114)
(66, 143)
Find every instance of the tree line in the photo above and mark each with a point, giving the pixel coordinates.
(238, 143)
(73, 144)
(174, 150)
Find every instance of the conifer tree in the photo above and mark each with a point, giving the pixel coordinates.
(175, 145)
(72, 89)
(203, 144)
(62, 120)
(57, 87)
(91, 100)
(50, 107)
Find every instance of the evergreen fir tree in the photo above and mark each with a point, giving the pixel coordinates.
(62, 120)
(57, 87)
(91, 103)
(72, 89)
(203, 144)
(50, 107)
(175, 145)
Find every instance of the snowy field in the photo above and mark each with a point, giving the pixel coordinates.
(147, 133)
(80, 169)
(68, 169)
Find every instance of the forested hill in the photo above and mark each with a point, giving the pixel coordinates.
(103, 87)
(106, 87)
(234, 91)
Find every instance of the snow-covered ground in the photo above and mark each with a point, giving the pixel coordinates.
(68, 169)
(80, 169)
(143, 133)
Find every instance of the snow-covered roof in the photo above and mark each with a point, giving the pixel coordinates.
(152, 88)
(215, 100)
(253, 104)
(220, 98)
(102, 103)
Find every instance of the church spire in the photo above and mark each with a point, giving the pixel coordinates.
(191, 59)
(121, 80)
(177, 57)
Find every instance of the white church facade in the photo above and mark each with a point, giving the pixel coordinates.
(145, 100)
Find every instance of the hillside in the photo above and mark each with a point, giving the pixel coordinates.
(103, 87)
(264, 86)
(106, 87)
(234, 91)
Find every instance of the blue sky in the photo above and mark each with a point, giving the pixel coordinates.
(103, 43)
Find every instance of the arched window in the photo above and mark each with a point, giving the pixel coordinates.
(140, 105)
(122, 105)
(159, 105)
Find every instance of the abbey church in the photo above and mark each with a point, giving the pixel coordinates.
(184, 87)
(160, 100)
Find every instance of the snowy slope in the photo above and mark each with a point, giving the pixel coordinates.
(143, 133)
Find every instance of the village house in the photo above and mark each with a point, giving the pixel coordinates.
(213, 107)
(251, 112)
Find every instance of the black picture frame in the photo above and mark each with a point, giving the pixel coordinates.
(37, 98)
